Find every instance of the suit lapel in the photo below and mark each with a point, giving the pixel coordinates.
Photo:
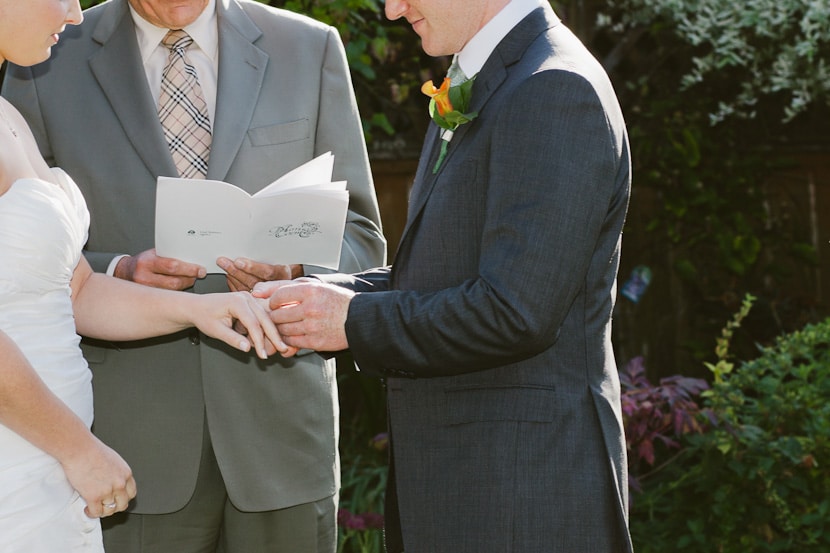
(241, 72)
(423, 175)
(425, 178)
(242, 69)
(118, 69)
(489, 79)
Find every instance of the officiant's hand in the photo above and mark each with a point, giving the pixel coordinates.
(160, 272)
(244, 273)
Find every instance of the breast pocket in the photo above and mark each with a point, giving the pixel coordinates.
(281, 133)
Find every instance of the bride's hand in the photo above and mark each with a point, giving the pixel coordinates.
(238, 319)
(101, 477)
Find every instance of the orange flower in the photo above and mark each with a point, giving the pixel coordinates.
(444, 114)
(440, 95)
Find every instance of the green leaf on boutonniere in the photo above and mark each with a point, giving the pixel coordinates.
(448, 108)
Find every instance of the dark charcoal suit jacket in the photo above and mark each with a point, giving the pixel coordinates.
(493, 326)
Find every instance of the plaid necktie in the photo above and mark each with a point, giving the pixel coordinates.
(183, 111)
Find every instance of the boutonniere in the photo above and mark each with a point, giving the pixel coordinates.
(448, 108)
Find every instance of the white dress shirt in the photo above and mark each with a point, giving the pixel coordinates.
(203, 54)
(472, 56)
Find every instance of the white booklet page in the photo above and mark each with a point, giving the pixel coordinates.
(297, 219)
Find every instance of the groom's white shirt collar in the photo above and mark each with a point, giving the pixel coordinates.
(472, 57)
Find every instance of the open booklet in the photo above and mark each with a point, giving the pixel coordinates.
(297, 219)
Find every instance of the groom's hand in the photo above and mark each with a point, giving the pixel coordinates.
(309, 314)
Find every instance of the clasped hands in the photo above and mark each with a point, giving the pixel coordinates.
(306, 313)
(295, 314)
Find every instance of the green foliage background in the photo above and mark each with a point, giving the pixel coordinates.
(755, 478)
(718, 96)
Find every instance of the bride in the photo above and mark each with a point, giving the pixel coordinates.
(56, 477)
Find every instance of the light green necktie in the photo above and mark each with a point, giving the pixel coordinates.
(455, 73)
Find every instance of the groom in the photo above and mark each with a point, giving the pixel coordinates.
(493, 326)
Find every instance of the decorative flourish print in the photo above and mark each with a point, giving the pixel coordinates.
(304, 230)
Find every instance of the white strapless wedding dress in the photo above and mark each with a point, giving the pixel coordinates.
(43, 227)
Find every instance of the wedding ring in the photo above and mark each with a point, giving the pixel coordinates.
(110, 505)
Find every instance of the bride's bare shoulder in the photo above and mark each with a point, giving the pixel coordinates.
(19, 154)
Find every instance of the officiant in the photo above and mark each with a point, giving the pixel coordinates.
(223, 446)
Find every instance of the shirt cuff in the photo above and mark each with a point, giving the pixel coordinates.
(114, 263)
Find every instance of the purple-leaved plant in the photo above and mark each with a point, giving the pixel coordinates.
(656, 414)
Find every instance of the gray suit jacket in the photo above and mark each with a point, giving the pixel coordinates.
(494, 324)
(284, 96)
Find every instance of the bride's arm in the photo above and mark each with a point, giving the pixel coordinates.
(30, 409)
(114, 309)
